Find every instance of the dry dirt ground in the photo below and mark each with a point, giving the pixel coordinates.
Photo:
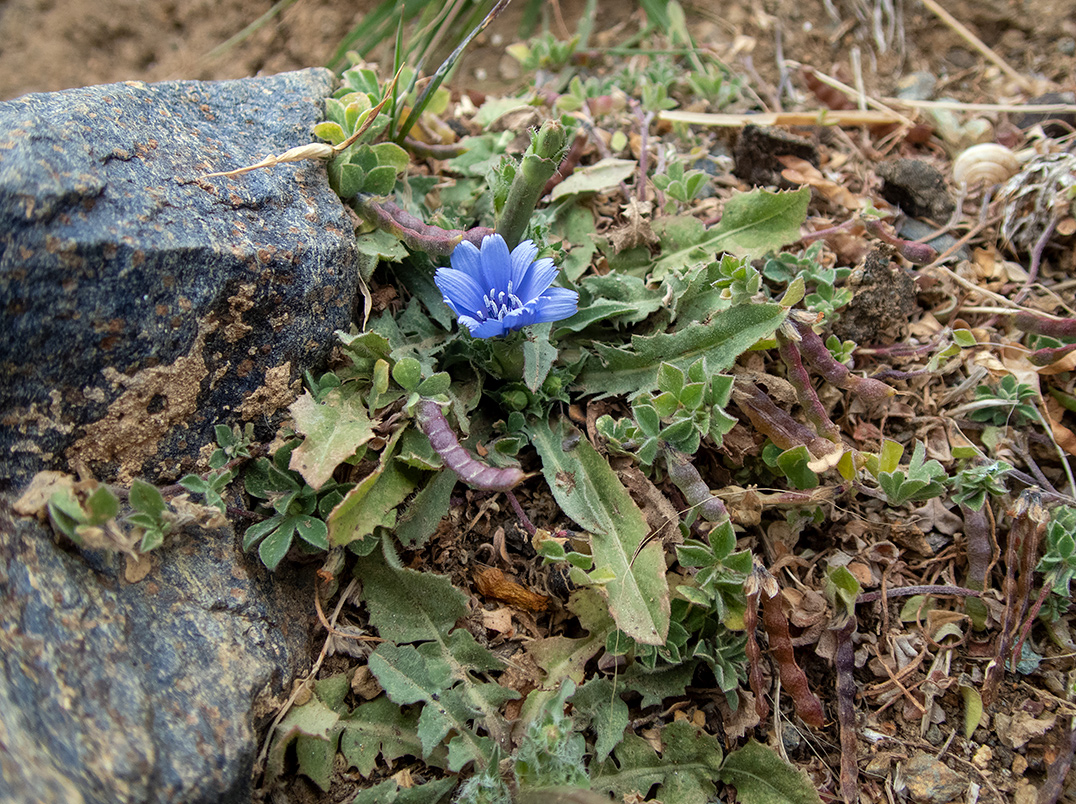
(54, 44)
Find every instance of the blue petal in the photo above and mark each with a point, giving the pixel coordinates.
(467, 258)
(538, 278)
(490, 328)
(555, 304)
(522, 257)
(496, 263)
(461, 292)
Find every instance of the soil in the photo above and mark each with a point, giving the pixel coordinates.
(55, 44)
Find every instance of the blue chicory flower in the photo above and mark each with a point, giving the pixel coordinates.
(493, 292)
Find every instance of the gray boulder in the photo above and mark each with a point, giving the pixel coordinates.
(142, 303)
(154, 691)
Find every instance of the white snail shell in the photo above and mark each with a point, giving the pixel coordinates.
(986, 164)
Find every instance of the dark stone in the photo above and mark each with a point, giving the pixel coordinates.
(153, 691)
(917, 188)
(1054, 124)
(141, 303)
(883, 303)
(756, 152)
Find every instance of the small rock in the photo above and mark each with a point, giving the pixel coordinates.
(917, 86)
(917, 188)
(928, 781)
(142, 303)
(756, 152)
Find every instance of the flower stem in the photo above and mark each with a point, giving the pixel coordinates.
(538, 166)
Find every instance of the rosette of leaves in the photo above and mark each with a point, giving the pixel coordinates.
(973, 483)
(687, 407)
(920, 480)
(824, 292)
(293, 508)
(679, 184)
(360, 168)
(1058, 562)
(1005, 404)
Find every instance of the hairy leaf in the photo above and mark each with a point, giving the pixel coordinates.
(752, 224)
(760, 776)
(689, 762)
(588, 491)
(634, 370)
(334, 429)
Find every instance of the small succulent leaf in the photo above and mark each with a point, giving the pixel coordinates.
(146, 498)
(352, 180)
(276, 545)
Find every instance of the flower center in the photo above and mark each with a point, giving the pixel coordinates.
(500, 303)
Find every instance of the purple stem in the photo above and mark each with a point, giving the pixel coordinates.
(413, 231)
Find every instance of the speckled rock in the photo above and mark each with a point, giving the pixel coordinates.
(928, 781)
(153, 691)
(140, 302)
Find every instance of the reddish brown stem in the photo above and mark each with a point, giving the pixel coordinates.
(805, 393)
(832, 371)
(471, 471)
(754, 653)
(808, 707)
(1053, 787)
(845, 662)
(776, 424)
(1051, 327)
(686, 477)
(413, 231)
(911, 250)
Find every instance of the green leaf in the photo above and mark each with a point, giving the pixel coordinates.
(390, 792)
(760, 776)
(351, 179)
(389, 153)
(752, 224)
(147, 498)
(379, 181)
(276, 545)
(564, 657)
(589, 492)
(424, 514)
(973, 709)
(596, 704)
(538, 356)
(330, 131)
(334, 429)
(407, 373)
(378, 728)
(669, 681)
(317, 726)
(371, 503)
(728, 335)
(408, 606)
(794, 463)
(690, 760)
(602, 175)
